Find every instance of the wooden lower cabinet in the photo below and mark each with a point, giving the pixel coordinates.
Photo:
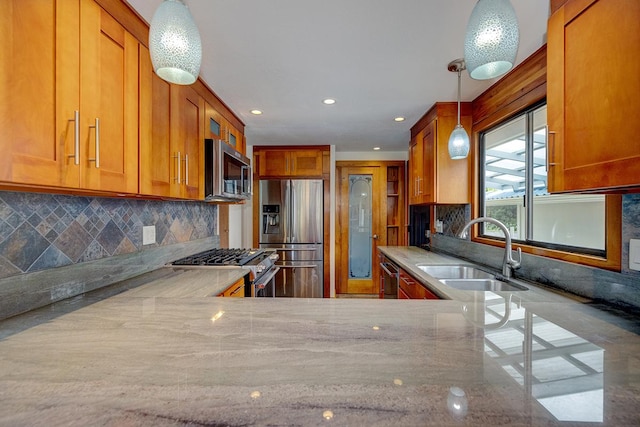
(236, 290)
(410, 288)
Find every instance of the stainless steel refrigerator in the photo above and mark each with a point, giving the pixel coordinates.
(292, 223)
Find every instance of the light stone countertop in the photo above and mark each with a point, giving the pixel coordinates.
(162, 353)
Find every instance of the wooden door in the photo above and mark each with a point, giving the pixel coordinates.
(39, 89)
(593, 103)
(351, 275)
(108, 102)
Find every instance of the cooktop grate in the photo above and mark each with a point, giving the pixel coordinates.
(220, 257)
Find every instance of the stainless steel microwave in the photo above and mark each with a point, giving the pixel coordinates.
(227, 173)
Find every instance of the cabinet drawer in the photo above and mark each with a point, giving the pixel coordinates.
(412, 288)
(235, 290)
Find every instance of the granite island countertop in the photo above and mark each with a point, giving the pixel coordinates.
(165, 353)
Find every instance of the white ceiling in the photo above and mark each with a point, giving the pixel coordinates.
(378, 58)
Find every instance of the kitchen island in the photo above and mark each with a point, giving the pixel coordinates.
(164, 352)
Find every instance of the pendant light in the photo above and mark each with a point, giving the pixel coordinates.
(458, 140)
(174, 43)
(491, 40)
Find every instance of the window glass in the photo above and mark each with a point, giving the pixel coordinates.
(514, 174)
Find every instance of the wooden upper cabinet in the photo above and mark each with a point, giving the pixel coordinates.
(70, 110)
(217, 127)
(108, 102)
(416, 172)
(433, 176)
(39, 78)
(187, 141)
(592, 96)
(157, 165)
(299, 163)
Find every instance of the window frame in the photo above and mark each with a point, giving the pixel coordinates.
(527, 116)
(521, 89)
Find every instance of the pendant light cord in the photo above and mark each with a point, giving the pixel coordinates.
(459, 71)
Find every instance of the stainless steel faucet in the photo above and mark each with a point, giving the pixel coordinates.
(508, 263)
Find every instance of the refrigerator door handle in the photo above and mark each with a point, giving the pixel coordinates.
(292, 209)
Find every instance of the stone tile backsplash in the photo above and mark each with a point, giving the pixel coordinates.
(44, 231)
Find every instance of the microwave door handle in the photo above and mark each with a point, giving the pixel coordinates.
(248, 169)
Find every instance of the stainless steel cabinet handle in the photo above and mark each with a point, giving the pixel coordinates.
(549, 148)
(375, 237)
(76, 138)
(240, 288)
(97, 157)
(177, 157)
(186, 169)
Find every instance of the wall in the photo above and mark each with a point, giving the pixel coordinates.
(622, 289)
(56, 246)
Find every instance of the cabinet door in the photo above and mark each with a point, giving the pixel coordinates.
(214, 123)
(39, 89)
(235, 290)
(273, 163)
(187, 140)
(108, 102)
(156, 162)
(305, 163)
(429, 166)
(290, 163)
(415, 169)
(593, 100)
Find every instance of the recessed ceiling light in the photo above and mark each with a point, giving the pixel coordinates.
(376, 148)
(399, 119)
(329, 101)
(256, 112)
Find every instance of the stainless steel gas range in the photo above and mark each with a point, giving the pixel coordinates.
(261, 264)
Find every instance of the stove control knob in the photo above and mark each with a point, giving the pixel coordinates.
(260, 268)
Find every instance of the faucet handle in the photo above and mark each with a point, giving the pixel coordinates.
(516, 263)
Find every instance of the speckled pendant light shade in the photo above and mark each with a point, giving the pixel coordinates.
(491, 41)
(174, 43)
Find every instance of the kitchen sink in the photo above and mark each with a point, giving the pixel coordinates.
(482, 285)
(454, 272)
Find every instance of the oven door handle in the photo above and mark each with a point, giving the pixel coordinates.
(264, 279)
(297, 250)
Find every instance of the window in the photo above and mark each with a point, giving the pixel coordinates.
(514, 191)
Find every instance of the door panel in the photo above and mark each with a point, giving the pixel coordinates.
(39, 90)
(108, 102)
(300, 280)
